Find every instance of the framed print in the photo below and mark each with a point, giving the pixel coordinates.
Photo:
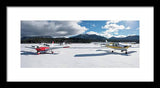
(84, 35)
(80, 44)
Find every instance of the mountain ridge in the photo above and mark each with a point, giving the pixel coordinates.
(84, 38)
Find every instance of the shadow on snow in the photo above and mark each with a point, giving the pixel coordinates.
(28, 53)
(106, 53)
(33, 53)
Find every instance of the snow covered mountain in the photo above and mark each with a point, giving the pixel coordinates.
(90, 36)
(134, 38)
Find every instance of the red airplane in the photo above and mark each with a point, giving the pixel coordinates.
(45, 48)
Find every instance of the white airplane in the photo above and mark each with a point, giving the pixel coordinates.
(116, 46)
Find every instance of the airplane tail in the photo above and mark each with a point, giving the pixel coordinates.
(106, 41)
(52, 43)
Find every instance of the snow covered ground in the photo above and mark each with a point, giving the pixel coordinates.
(80, 55)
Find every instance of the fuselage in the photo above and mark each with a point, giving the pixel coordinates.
(117, 46)
(42, 49)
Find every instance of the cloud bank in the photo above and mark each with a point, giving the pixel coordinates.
(112, 27)
(51, 28)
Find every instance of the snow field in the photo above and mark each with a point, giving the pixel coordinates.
(80, 56)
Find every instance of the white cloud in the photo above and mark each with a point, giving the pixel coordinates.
(112, 21)
(131, 34)
(105, 34)
(51, 28)
(112, 27)
(128, 27)
(120, 36)
(92, 32)
(62, 32)
(116, 33)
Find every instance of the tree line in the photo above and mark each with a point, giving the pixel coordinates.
(59, 40)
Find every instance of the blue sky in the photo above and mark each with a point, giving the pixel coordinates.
(106, 28)
(99, 27)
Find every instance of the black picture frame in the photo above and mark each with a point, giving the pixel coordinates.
(112, 3)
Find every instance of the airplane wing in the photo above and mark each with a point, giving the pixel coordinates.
(30, 47)
(57, 47)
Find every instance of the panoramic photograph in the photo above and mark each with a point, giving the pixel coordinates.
(80, 44)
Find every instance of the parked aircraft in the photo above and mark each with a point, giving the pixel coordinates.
(116, 46)
(44, 48)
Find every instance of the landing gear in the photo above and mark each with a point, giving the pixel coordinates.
(38, 53)
(51, 51)
(121, 51)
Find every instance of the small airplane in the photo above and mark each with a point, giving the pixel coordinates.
(44, 48)
(116, 46)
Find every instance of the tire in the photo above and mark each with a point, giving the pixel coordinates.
(38, 53)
